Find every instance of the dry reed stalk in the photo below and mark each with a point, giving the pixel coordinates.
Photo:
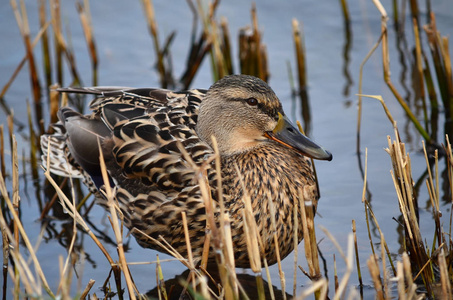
(444, 276)
(189, 248)
(359, 108)
(313, 167)
(116, 226)
(212, 39)
(365, 176)
(296, 246)
(63, 288)
(85, 20)
(419, 67)
(87, 289)
(335, 274)
(402, 178)
(22, 23)
(16, 198)
(310, 243)
(64, 269)
(50, 203)
(55, 14)
(384, 268)
(72, 211)
(261, 56)
(33, 144)
(300, 56)
(45, 44)
(373, 267)
(320, 286)
(24, 59)
(357, 260)
(400, 281)
(152, 27)
(384, 243)
(434, 195)
(449, 160)
(53, 104)
(226, 45)
(411, 286)
(440, 58)
(61, 46)
(21, 265)
(368, 209)
(217, 57)
(277, 248)
(345, 10)
(221, 237)
(16, 255)
(253, 240)
(347, 258)
(2, 150)
(252, 53)
(162, 291)
(387, 79)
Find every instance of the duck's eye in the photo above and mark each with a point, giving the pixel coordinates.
(252, 101)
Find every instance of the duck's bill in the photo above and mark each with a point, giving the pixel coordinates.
(287, 134)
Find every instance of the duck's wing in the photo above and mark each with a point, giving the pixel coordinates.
(141, 132)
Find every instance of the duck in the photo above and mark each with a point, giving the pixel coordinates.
(153, 140)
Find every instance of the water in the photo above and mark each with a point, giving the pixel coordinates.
(127, 58)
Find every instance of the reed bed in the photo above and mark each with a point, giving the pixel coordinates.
(424, 269)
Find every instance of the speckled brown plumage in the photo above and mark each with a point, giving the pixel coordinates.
(141, 130)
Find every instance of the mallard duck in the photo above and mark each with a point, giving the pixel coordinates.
(141, 132)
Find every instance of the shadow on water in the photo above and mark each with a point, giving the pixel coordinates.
(176, 289)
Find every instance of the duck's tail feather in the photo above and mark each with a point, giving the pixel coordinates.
(56, 157)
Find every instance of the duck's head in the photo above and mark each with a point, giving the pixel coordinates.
(243, 112)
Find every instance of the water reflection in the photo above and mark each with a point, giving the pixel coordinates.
(346, 56)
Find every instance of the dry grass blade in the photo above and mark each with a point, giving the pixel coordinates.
(116, 227)
(348, 260)
(21, 229)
